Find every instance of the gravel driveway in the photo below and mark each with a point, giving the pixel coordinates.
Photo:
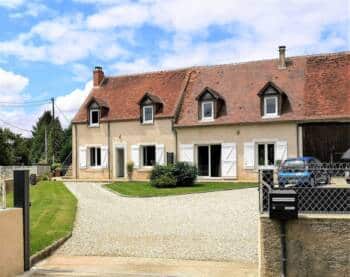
(206, 226)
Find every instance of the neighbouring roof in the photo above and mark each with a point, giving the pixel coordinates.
(122, 94)
(317, 87)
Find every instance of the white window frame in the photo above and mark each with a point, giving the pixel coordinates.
(98, 121)
(144, 121)
(269, 115)
(89, 155)
(266, 165)
(207, 118)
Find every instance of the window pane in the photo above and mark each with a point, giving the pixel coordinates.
(207, 110)
(98, 154)
(92, 156)
(148, 113)
(271, 105)
(94, 117)
(261, 154)
(270, 154)
(149, 155)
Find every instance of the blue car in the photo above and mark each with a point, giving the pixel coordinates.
(303, 172)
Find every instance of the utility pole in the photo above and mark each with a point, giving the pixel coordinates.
(45, 144)
(53, 129)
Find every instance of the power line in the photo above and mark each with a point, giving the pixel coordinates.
(26, 103)
(14, 126)
(61, 112)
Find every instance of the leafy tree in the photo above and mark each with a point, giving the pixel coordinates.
(66, 149)
(14, 148)
(37, 151)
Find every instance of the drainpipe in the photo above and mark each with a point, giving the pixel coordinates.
(76, 151)
(109, 150)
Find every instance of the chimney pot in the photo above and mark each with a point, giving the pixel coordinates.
(282, 57)
(98, 76)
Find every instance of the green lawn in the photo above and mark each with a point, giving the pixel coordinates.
(52, 213)
(144, 189)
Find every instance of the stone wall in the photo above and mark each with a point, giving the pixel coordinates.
(11, 242)
(317, 245)
(39, 170)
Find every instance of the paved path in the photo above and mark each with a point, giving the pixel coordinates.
(218, 226)
(138, 267)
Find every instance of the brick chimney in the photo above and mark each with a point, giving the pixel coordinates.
(282, 57)
(98, 76)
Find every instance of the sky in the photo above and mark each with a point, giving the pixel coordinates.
(49, 48)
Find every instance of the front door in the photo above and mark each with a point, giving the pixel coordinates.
(120, 162)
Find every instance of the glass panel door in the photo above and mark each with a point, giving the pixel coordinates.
(203, 160)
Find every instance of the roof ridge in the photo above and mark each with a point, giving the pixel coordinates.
(151, 72)
(193, 67)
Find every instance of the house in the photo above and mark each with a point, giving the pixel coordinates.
(229, 120)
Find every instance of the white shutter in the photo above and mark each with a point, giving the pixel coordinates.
(249, 161)
(104, 156)
(281, 150)
(135, 155)
(160, 160)
(82, 156)
(229, 160)
(186, 153)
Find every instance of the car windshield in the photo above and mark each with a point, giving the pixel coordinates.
(293, 164)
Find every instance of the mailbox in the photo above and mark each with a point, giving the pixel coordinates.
(283, 204)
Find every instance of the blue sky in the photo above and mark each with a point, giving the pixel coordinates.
(49, 48)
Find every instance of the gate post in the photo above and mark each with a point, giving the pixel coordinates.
(21, 200)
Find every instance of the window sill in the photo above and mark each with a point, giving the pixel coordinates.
(270, 116)
(148, 123)
(94, 126)
(145, 168)
(95, 168)
(207, 120)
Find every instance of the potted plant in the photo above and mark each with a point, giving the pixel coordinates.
(57, 169)
(130, 169)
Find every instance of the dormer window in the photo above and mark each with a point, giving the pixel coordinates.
(150, 105)
(273, 99)
(94, 117)
(96, 109)
(208, 110)
(270, 106)
(147, 117)
(210, 105)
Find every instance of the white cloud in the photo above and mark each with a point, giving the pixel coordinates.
(33, 9)
(12, 86)
(134, 66)
(81, 72)
(130, 15)
(70, 103)
(11, 3)
(62, 40)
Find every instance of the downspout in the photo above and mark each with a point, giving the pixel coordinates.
(109, 150)
(76, 150)
(178, 110)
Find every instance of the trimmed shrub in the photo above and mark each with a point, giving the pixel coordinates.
(183, 174)
(165, 181)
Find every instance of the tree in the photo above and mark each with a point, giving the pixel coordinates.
(14, 149)
(66, 149)
(37, 151)
(59, 140)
